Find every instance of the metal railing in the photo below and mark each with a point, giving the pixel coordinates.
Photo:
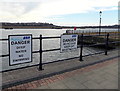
(40, 51)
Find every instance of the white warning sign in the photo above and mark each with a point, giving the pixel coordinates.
(20, 49)
(68, 43)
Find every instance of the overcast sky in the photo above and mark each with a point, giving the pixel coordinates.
(60, 12)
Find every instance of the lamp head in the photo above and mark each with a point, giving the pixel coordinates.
(100, 12)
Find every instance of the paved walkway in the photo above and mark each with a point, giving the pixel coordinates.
(64, 73)
(103, 75)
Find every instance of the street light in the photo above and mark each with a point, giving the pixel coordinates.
(100, 22)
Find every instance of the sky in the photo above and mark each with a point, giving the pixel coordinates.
(60, 12)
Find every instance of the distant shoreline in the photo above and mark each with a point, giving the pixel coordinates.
(47, 26)
(38, 27)
(28, 27)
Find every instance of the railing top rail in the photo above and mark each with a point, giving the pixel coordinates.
(51, 37)
(3, 39)
(37, 38)
(113, 34)
(94, 35)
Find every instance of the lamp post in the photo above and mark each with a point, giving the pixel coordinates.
(118, 25)
(100, 22)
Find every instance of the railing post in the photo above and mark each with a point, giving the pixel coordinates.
(106, 45)
(81, 47)
(40, 51)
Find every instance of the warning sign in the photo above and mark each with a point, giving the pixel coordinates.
(20, 49)
(68, 43)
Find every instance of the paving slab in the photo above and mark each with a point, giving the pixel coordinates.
(43, 87)
(57, 85)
